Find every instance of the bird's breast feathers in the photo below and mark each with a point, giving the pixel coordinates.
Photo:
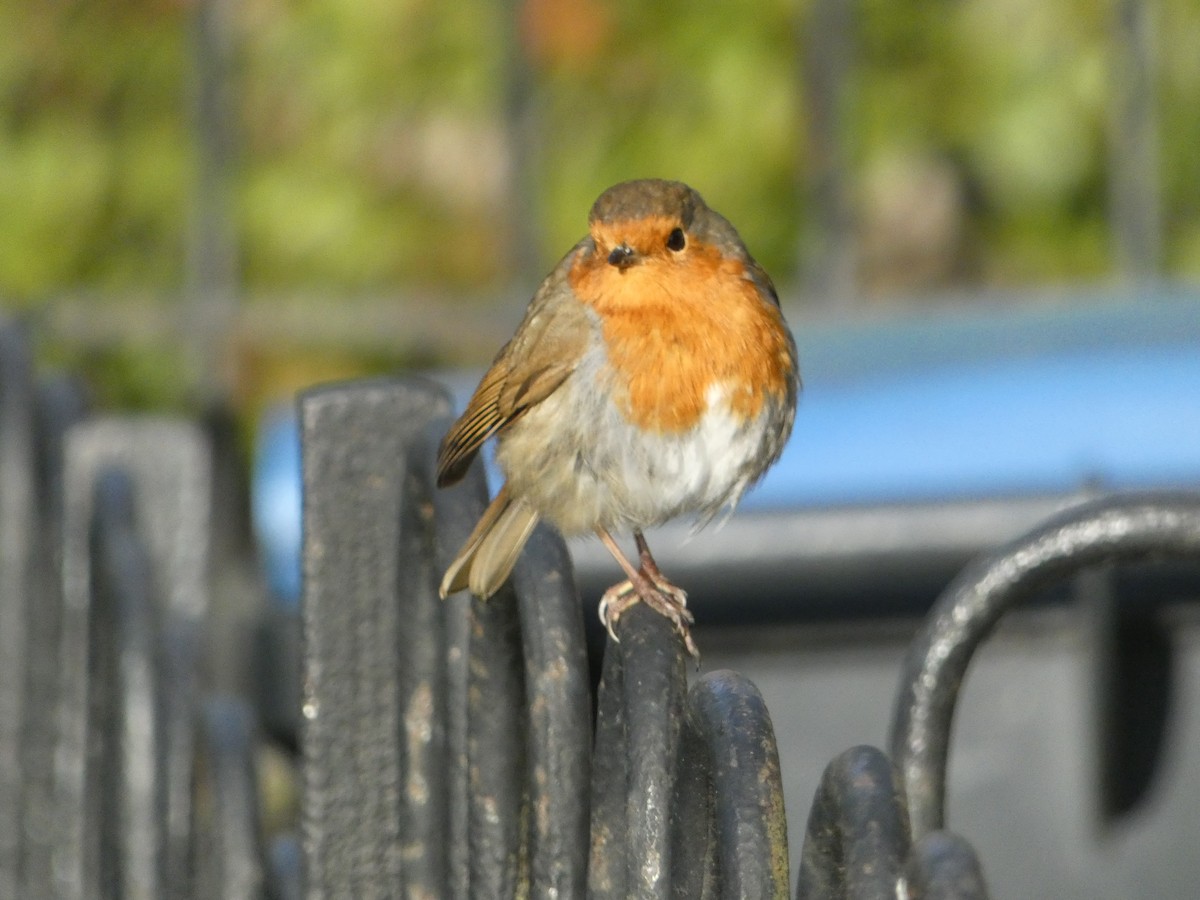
(674, 333)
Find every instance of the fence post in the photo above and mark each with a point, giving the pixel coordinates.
(18, 517)
(60, 403)
(728, 714)
(229, 858)
(559, 717)
(857, 837)
(639, 716)
(356, 449)
(167, 466)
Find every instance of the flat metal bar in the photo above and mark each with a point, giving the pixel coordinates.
(560, 727)
(424, 820)
(456, 510)
(230, 858)
(356, 441)
(131, 793)
(496, 750)
(18, 531)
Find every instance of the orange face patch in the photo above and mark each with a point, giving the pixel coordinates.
(677, 324)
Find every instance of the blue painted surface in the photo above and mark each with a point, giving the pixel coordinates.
(1114, 418)
(969, 405)
(275, 503)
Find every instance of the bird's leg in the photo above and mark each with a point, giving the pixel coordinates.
(650, 569)
(665, 599)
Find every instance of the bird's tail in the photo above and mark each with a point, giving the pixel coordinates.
(490, 553)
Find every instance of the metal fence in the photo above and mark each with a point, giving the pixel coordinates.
(448, 748)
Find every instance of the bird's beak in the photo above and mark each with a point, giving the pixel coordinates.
(622, 256)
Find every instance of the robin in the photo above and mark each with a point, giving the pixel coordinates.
(652, 376)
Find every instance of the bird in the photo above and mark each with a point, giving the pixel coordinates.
(653, 376)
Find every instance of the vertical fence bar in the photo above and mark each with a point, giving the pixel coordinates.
(830, 256)
(559, 711)
(639, 718)
(857, 837)
(424, 820)
(496, 760)
(126, 701)
(18, 528)
(60, 404)
(355, 443)
(751, 828)
(1135, 196)
(168, 465)
(456, 510)
(694, 851)
(230, 856)
(943, 867)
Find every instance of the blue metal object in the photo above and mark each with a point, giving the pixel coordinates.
(980, 403)
(275, 503)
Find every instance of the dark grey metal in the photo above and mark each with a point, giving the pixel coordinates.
(729, 715)
(496, 748)
(421, 675)
(286, 861)
(286, 868)
(857, 837)
(60, 403)
(126, 744)
(559, 717)
(456, 510)
(355, 445)
(640, 710)
(831, 255)
(18, 540)
(1135, 195)
(168, 466)
(696, 873)
(1119, 528)
(276, 679)
(211, 273)
(229, 856)
(1133, 676)
(944, 867)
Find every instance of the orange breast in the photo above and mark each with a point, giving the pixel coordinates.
(676, 327)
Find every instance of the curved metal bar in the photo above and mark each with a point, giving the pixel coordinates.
(857, 837)
(728, 712)
(944, 867)
(455, 512)
(1118, 528)
(559, 709)
(639, 719)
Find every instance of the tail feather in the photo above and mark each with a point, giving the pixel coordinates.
(489, 554)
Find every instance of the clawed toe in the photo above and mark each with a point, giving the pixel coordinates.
(663, 597)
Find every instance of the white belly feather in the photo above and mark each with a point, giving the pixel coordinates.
(591, 466)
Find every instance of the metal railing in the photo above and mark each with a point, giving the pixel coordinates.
(448, 748)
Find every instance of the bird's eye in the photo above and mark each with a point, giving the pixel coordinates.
(676, 240)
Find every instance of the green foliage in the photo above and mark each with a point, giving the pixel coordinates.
(372, 147)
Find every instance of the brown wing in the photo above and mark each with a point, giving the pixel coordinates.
(527, 370)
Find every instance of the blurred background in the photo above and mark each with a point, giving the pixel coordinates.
(983, 217)
(217, 199)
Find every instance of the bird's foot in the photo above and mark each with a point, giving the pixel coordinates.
(660, 595)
